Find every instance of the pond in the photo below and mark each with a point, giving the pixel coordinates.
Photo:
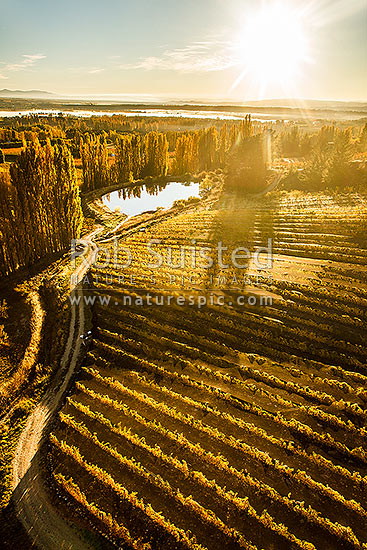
(141, 199)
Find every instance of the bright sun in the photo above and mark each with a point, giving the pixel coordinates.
(273, 47)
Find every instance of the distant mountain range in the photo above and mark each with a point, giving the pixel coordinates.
(34, 94)
(146, 101)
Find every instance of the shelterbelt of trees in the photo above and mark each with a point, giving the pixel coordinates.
(240, 150)
(135, 158)
(40, 206)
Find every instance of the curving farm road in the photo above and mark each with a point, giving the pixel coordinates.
(45, 526)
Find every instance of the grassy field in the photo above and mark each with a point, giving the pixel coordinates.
(234, 425)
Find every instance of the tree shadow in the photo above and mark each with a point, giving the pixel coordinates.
(242, 222)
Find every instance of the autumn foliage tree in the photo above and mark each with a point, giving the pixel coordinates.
(128, 158)
(94, 156)
(330, 163)
(134, 157)
(246, 166)
(185, 159)
(363, 138)
(155, 155)
(40, 206)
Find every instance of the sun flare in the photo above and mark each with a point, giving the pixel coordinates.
(273, 47)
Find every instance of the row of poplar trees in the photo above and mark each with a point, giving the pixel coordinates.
(206, 149)
(40, 208)
(135, 157)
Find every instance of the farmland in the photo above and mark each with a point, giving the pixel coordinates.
(194, 374)
(239, 423)
(183, 275)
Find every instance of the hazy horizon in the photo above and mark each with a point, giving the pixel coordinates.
(141, 98)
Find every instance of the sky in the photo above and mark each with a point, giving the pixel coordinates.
(231, 50)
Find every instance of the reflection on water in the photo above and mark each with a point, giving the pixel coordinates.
(135, 200)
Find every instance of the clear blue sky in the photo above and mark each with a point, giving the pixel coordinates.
(185, 49)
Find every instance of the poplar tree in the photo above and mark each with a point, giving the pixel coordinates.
(95, 164)
(39, 205)
(222, 145)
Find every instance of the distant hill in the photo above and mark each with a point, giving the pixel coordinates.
(151, 101)
(310, 103)
(25, 93)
